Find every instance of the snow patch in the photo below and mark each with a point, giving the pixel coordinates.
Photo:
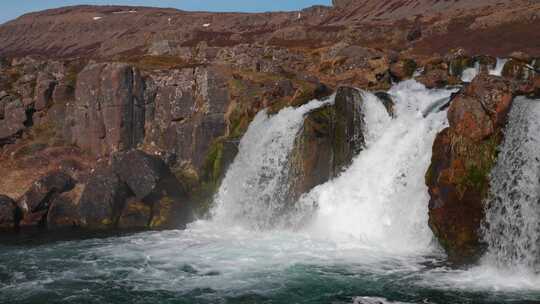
(206, 24)
(97, 18)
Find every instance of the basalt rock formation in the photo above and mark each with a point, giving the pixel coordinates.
(128, 117)
(463, 156)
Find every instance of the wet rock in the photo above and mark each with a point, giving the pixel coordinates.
(108, 112)
(7, 212)
(36, 201)
(312, 155)
(523, 76)
(348, 140)
(387, 101)
(103, 199)
(463, 156)
(486, 62)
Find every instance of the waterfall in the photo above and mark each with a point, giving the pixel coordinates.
(255, 188)
(381, 201)
(512, 226)
(469, 73)
(497, 70)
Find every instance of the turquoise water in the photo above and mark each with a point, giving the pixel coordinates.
(211, 264)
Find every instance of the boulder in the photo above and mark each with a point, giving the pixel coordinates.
(463, 156)
(152, 182)
(35, 203)
(103, 199)
(7, 212)
(64, 209)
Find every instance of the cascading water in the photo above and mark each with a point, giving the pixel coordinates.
(499, 66)
(469, 73)
(512, 227)
(381, 200)
(255, 188)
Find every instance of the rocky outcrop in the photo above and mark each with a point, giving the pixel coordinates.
(137, 191)
(330, 138)
(463, 156)
(525, 77)
(35, 203)
(109, 109)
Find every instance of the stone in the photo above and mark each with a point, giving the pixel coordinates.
(64, 210)
(103, 199)
(136, 215)
(152, 182)
(463, 156)
(7, 212)
(14, 119)
(35, 203)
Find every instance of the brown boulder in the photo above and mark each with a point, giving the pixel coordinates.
(463, 156)
(64, 209)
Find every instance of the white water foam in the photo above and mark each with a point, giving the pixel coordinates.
(470, 73)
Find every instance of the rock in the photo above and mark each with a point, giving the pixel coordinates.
(486, 62)
(36, 201)
(403, 69)
(434, 78)
(44, 91)
(64, 209)
(153, 183)
(330, 138)
(387, 101)
(7, 212)
(108, 112)
(312, 155)
(463, 156)
(103, 199)
(415, 33)
(523, 76)
(136, 214)
(14, 119)
(521, 56)
(348, 140)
